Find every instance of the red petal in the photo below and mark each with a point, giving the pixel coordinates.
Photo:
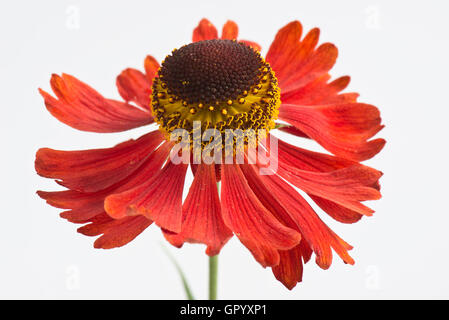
(318, 162)
(277, 192)
(85, 206)
(230, 30)
(320, 92)
(290, 268)
(81, 107)
(159, 199)
(294, 131)
(346, 187)
(343, 129)
(253, 224)
(336, 211)
(116, 233)
(204, 31)
(194, 168)
(151, 67)
(300, 73)
(284, 46)
(93, 170)
(134, 86)
(202, 221)
(296, 62)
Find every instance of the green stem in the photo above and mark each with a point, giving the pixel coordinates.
(213, 268)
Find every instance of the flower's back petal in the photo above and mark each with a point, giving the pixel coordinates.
(204, 31)
(82, 108)
(343, 129)
(134, 86)
(159, 199)
(94, 170)
(313, 230)
(251, 44)
(253, 224)
(151, 67)
(116, 233)
(202, 220)
(230, 30)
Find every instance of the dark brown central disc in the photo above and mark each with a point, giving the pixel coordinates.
(210, 71)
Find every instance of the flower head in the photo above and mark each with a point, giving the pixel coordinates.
(223, 84)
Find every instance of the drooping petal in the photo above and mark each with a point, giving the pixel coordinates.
(93, 170)
(82, 108)
(134, 86)
(115, 233)
(230, 30)
(252, 223)
(343, 129)
(204, 31)
(347, 187)
(272, 189)
(290, 156)
(159, 199)
(202, 221)
(84, 206)
(290, 268)
(338, 212)
(194, 168)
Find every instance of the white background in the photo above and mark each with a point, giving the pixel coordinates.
(397, 55)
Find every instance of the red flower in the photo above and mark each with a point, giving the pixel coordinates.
(118, 192)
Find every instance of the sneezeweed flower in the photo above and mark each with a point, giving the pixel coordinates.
(224, 83)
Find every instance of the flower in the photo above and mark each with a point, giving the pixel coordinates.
(225, 83)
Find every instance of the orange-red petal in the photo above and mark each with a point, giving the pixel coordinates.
(115, 233)
(134, 86)
(319, 92)
(84, 206)
(297, 62)
(273, 189)
(290, 268)
(343, 128)
(251, 222)
(204, 31)
(202, 221)
(230, 30)
(82, 108)
(93, 170)
(159, 199)
(151, 67)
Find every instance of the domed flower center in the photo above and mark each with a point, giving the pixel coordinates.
(222, 84)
